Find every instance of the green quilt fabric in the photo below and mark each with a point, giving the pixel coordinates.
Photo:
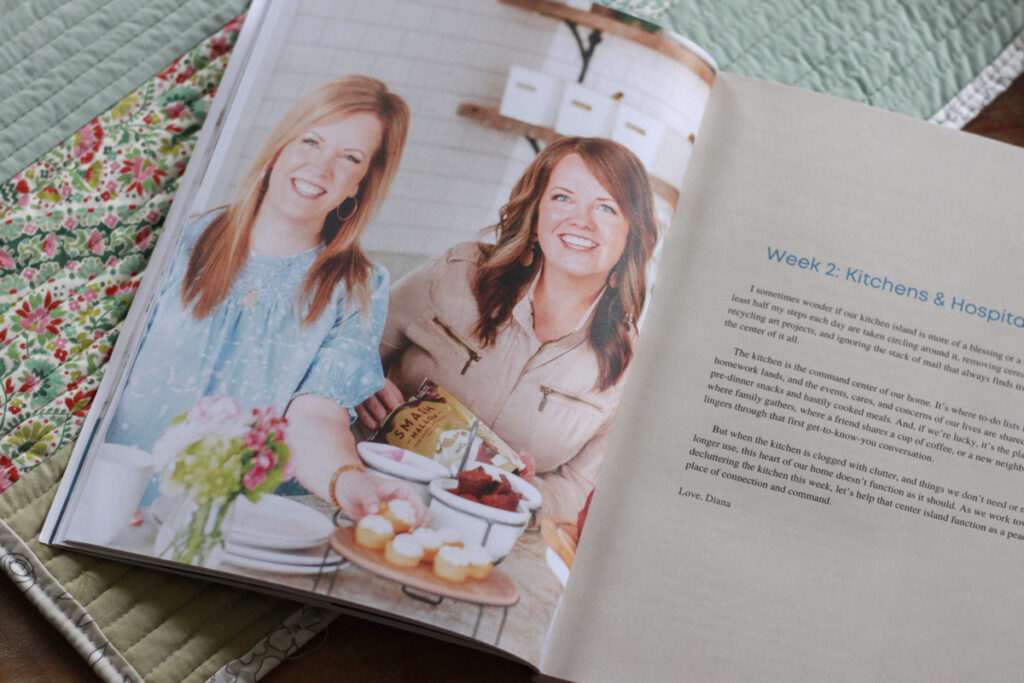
(907, 56)
(62, 62)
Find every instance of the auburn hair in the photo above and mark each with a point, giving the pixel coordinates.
(501, 280)
(222, 249)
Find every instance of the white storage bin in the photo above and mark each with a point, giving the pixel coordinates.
(585, 112)
(531, 96)
(640, 132)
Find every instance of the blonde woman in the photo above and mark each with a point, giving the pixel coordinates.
(535, 333)
(271, 301)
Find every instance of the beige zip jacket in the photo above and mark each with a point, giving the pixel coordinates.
(539, 398)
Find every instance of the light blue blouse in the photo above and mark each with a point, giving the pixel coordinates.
(253, 347)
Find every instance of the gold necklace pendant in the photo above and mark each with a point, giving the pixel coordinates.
(251, 298)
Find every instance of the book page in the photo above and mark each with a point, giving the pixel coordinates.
(382, 341)
(819, 470)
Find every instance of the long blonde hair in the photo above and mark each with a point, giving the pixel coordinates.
(501, 280)
(223, 248)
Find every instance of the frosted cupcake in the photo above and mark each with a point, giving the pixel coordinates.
(451, 564)
(480, 562)
(450, 537)
(374, 531)
(400, 513)
(403, 551)
(431, 541)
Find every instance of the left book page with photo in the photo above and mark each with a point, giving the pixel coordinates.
(382, 342)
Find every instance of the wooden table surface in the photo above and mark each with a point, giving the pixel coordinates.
(31, 649)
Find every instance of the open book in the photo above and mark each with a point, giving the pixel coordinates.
(806, 350)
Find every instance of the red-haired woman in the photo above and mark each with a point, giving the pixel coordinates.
(271, 300)
(535, 333)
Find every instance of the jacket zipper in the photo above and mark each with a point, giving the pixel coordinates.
(547, 391)
(473, 355)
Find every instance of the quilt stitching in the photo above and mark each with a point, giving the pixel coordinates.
(942, 39)
(67, 29)
(73, 111)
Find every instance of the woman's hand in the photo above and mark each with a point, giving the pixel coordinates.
(373, 410)
(321, 444)
(361, 494)
(529, 472)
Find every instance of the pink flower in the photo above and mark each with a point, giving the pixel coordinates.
(219, 45)
(28, 273)
(61, 343)
(185, 73)
(73, 305)
(140, 170)
(50, 245)
(110, 220)
(70, 223)
(175, 109)
(253, 478)
(30, 384)
(29, 229)
(96, 242)
(267, 420)
(111, 186)
(88, 141)
(8, 472)
(65, 191)
(265, 460)
(211, 411)
(142, 237)
(254, 439)
(89, 295)
(5, 260)
(36, 319)
(153, 216)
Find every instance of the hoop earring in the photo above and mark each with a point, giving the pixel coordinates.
(614, 279)
(355, 207)
(526, 258)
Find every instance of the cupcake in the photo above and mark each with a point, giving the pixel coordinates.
(403, 551)
(430, 540)
(480, 561)
(374, 531)
(400, 513)
(451, 564)
(450, 537)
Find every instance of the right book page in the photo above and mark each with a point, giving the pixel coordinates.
(818, 468)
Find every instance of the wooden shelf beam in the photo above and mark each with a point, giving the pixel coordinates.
(654, 41)
(490, 117)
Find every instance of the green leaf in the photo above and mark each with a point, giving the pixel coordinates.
(48, 194)
(92, 176)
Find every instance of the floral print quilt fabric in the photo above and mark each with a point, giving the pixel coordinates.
(76, 230)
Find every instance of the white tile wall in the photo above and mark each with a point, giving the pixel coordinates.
(455, 174)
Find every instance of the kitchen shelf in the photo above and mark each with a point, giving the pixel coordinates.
(607, 24)
(490, 117)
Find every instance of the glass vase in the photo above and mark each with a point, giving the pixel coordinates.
(196, 531)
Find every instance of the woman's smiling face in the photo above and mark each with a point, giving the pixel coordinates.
(322, 167)
(581, 229)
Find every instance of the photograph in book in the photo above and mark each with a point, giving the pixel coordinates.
(386, 343)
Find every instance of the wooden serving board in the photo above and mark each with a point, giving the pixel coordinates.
(496, 590)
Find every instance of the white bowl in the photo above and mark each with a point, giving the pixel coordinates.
(496, 530)
(392, 462)
(531, 496)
